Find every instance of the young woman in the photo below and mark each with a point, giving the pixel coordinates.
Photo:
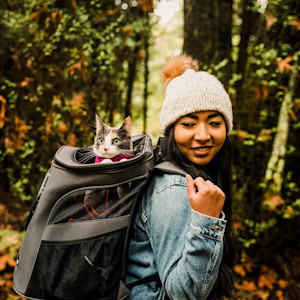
(182, 230)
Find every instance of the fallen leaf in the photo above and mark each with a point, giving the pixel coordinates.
(282, 283)
(279, 295)
(246, 286)
(12, 239)
(238, 269)
(264, 281)
(263, 295)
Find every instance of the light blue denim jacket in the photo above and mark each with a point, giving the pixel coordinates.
(169, 238)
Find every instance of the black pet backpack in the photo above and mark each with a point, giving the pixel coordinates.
(76, 242)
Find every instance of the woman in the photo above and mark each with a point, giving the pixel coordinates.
(182, 230)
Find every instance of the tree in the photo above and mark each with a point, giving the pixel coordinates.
(207, 34)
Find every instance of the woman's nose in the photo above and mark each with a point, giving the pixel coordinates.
(202, 133)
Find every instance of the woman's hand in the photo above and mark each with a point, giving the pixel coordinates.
(205, 197)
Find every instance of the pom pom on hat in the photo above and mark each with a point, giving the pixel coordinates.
(187, 91)
(176, 66)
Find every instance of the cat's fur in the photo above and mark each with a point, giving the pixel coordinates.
(110, 142)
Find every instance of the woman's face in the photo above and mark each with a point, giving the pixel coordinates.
(200, 136)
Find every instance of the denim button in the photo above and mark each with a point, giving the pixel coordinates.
(217, 228)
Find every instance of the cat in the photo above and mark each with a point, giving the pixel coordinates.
(112, 144)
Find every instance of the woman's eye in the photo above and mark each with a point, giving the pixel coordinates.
(187, 124)
(215, 123)
(116, 141)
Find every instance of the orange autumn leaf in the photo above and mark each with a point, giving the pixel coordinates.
(263, 295)
(36, 15)
(111, 12)
(242, 135)
(284, 64)
(296, 23)
(12, 239)
(282, 283)
(62, 128)
(246, 286)
(6, 260)
(266, 281)
(14, 139)
(147, 6)
(74, 4)
(57, 15)
(293, 116)
(267, 133)
(277, 200)
(29, 62)
(237, 225)
(238, 269)
(71, 141)
(274, 200)
(279, 295)
(26, 81)
(77, 100)
(141, 53)
(74, 67)
(270, 20)
(128, 30)
(2, 111)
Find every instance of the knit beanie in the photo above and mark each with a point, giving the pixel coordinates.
(188, 90)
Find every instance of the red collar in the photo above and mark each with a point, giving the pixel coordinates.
(98, 159)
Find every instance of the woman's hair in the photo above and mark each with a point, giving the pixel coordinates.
(219, 172)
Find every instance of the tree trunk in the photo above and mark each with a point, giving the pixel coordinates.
(130, 81)
(146, 77)
(207, 33)
(249, 19)
(199, 30)
(275, 167)
(224, 46)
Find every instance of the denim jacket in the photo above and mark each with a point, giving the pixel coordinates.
(183, 246)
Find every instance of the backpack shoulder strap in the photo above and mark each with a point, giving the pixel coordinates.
(169, 167)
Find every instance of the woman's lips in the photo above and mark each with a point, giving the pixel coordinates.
(201, 150)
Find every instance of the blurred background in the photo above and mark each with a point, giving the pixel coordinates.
(63, 61)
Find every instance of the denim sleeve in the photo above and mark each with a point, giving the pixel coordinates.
(187, 245)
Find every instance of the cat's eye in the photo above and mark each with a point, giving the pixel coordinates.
(116, 141)
(101, 141)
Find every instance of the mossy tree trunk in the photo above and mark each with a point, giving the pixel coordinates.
(276, 164)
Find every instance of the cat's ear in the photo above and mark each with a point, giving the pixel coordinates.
(127, 125)
(99, 124)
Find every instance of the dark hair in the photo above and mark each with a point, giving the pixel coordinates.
(219, 172)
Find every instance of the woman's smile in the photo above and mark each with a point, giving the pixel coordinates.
(200, 136)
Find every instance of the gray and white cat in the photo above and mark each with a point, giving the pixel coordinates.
(112, 144)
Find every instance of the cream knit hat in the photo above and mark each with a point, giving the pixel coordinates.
(188, 91)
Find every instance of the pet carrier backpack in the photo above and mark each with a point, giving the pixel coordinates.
(77, 239)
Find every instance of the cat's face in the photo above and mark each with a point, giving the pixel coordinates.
(111, 141)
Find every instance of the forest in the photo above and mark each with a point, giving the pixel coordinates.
(63, 61)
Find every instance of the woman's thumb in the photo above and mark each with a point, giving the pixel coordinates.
(190, 184)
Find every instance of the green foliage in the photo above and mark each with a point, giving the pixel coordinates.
(10, 242)
(61, 63)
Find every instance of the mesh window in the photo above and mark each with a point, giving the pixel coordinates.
(92, 204)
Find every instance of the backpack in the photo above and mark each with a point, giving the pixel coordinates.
(77, 238)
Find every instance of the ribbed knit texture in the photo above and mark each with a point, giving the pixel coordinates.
(194, 92)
